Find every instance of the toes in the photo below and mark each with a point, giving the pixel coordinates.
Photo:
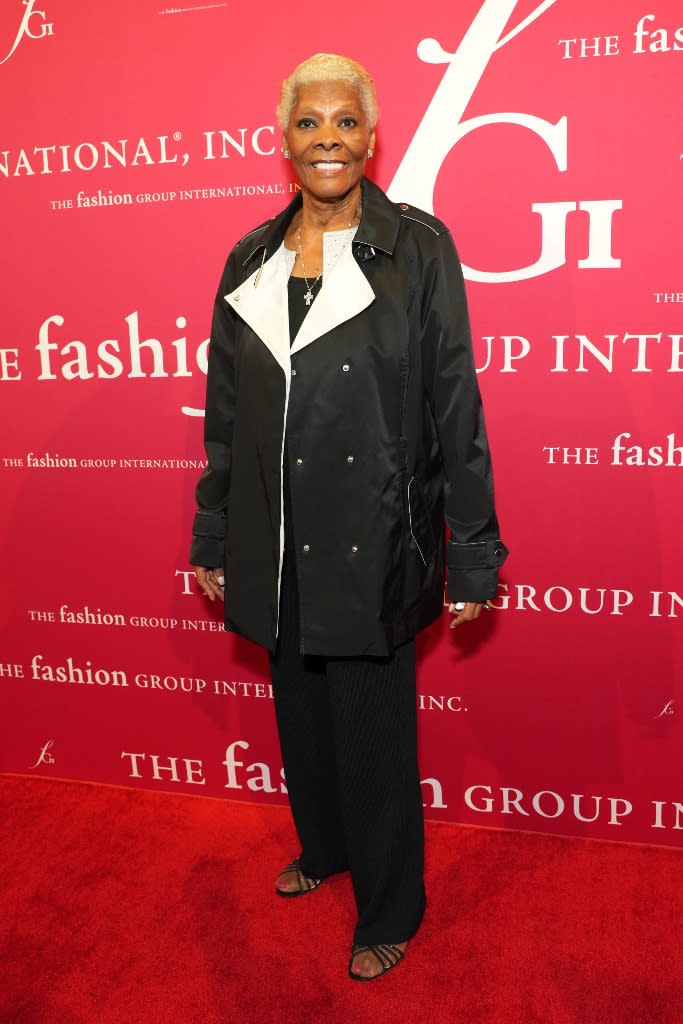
(366, 965)
(288, 881)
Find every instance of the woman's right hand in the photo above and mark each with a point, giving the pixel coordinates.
(211, 582)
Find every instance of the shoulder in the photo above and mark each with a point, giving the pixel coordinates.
(419, 221)
(252, 238)
(240, 255)
(424, 241)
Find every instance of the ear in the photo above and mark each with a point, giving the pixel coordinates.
(371, 140)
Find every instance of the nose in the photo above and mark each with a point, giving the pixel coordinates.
(327, 138)
(327, 144)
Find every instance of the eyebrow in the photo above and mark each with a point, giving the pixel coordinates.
(312, 112)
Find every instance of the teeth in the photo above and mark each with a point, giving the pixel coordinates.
(329, 164)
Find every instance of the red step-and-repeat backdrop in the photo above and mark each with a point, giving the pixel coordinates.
(138, 142)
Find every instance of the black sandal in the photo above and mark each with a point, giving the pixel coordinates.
(386, 953)
(304, 884)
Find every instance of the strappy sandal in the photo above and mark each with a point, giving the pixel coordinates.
(304, 884)
(386, 953)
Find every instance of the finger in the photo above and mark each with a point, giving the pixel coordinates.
(466, 612)
(456, 609)
(204, 582)
(458, 620)
(217, 580)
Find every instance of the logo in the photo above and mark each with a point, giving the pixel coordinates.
(668, 709)
(45, 757)
(442, 127)
(28, 23)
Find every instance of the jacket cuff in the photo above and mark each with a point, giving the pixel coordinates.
(209, 524)
(208, 540)
(473, 570)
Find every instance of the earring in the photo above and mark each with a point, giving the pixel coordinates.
(369, 153)
(285, 153)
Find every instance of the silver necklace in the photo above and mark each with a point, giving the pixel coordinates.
(308, 294)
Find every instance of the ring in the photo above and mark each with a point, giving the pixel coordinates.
(220, 580)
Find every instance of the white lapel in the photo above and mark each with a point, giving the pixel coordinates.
(345, 292)
(263, 306)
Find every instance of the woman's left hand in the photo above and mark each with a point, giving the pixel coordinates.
(471, 610)
(211, 582)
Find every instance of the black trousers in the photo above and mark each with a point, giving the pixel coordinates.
(348, 736)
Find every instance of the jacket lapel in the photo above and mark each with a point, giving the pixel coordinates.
(263, 305)
(345, 292)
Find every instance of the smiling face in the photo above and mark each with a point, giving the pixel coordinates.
(328, 138)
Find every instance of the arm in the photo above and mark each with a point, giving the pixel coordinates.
(475, 550)
(208, 531)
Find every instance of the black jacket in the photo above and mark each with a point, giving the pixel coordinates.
(385, 435)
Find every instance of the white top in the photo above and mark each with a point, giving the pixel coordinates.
(334, 243)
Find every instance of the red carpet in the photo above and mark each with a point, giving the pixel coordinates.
(129, 907)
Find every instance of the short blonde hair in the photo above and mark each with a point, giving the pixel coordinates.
(329, 67)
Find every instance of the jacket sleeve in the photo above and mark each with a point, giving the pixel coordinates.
(208, 531)
(475, 550)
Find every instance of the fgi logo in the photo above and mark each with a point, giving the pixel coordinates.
(28, 24)
(444, 125)
(45, 757)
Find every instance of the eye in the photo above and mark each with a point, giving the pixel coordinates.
(348, 122)
(305, 122)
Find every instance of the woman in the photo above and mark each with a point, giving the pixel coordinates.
(343, 428)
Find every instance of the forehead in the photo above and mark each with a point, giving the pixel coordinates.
(327, 96)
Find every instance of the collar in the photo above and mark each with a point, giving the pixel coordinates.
(378, 227)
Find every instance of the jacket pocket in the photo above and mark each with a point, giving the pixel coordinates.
(419, 522)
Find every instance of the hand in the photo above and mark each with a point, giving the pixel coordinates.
(466, 612)
(211, 582)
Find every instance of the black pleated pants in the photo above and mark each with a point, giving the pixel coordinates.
(348, 736)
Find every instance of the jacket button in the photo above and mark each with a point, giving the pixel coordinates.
(307, 548)
(299, 462)
(349, 458)
(346, 367)
(354, 548)
(293, 373)
(498, 552)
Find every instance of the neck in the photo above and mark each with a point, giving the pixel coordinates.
(320, 215)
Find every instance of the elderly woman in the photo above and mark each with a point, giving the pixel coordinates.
(343, 429)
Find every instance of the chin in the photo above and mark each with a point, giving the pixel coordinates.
(332, 188)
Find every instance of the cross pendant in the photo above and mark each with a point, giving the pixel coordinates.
(308, 297)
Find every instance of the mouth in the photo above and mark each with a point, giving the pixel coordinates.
(328, 165)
